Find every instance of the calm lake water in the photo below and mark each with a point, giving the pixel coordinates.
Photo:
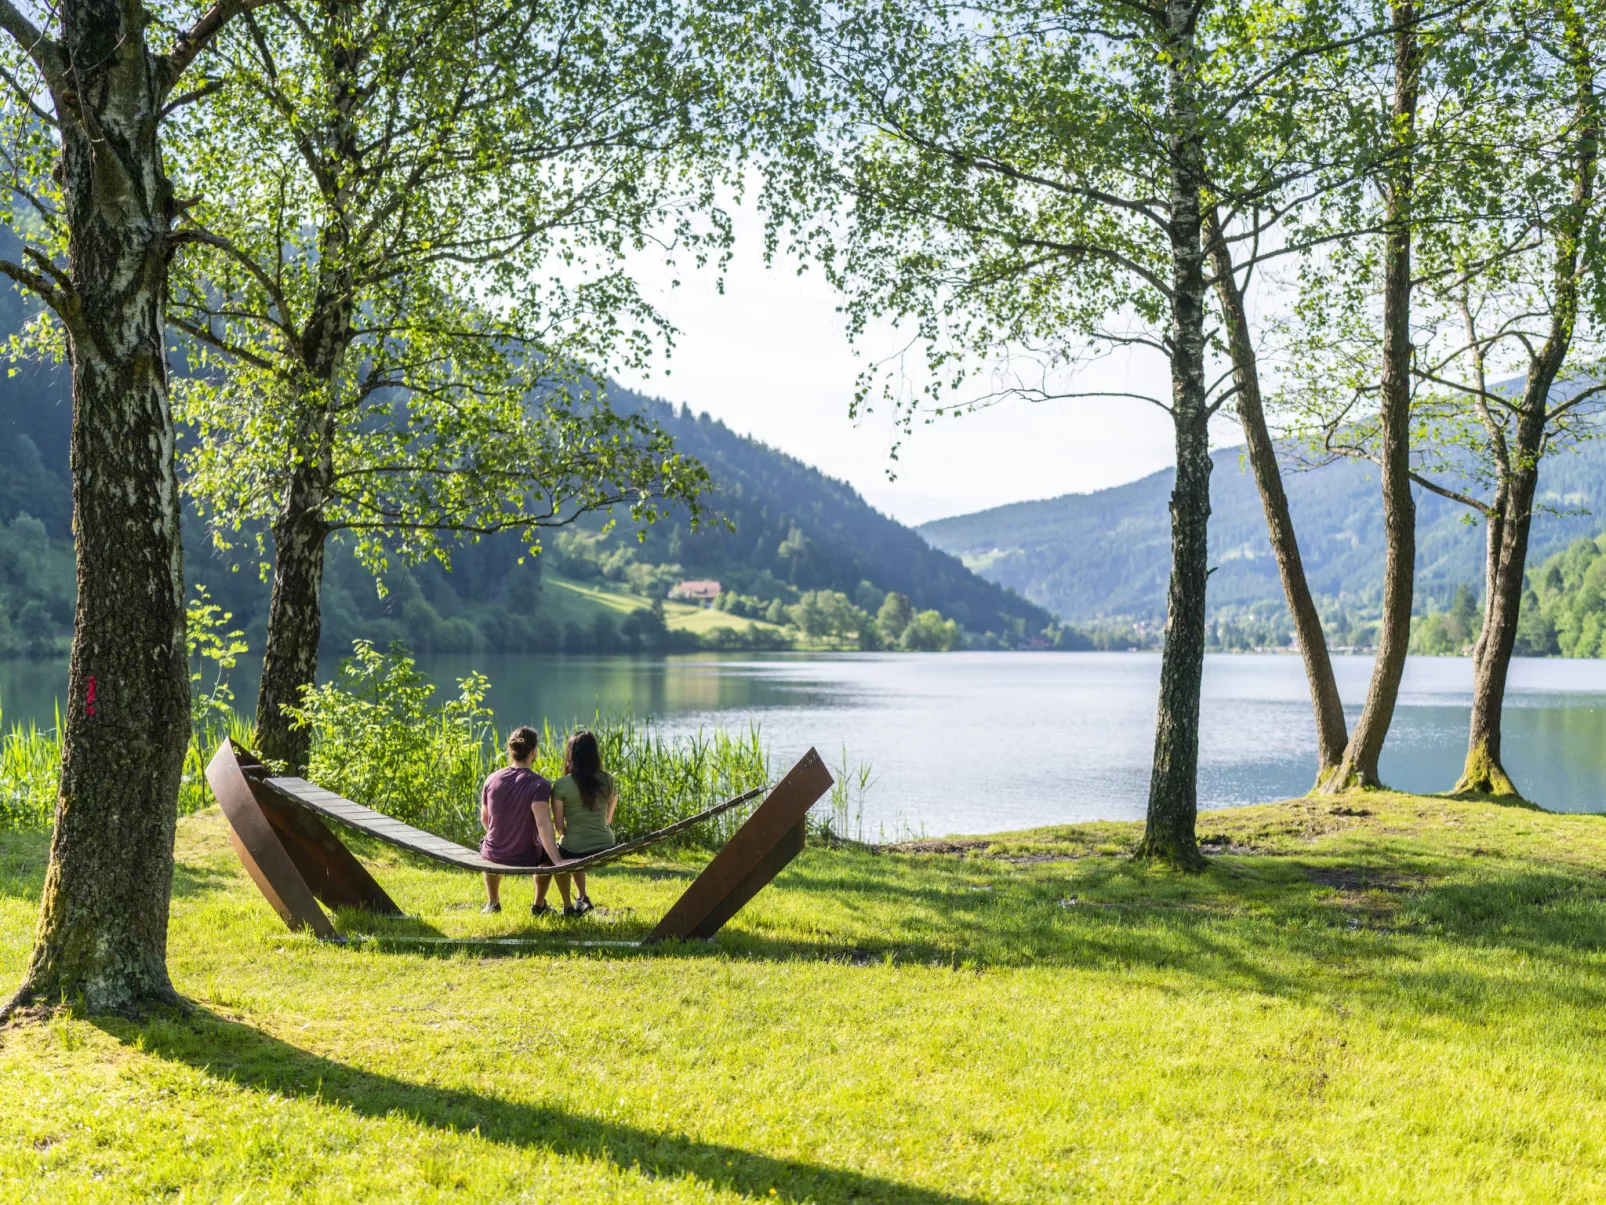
(983, 742)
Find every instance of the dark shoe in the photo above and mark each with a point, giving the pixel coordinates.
(541, 909)
(490, 909)
(579, 908)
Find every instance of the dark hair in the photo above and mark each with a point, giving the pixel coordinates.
(582, 761)
(521, 742)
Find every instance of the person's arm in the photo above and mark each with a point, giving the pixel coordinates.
(560, 820)
(542, 809)
(485, 809)
(613, 802)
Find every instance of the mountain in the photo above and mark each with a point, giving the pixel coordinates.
(1106, 555)
(796, 531)
(797, 526)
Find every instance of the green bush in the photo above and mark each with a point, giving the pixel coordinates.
(929, 632)
(379, 739)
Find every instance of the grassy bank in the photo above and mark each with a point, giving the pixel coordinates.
(1388, 998)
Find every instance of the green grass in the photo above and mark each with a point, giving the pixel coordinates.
(1386, 998)
(566, 601)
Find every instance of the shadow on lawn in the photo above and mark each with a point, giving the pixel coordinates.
(238, 1054)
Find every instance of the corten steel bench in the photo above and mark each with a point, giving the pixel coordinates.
(296, 860)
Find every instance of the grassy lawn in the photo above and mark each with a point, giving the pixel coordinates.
(569, 600)
(1389, 998)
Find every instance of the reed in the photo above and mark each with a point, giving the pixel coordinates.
(30, 770)
(30, 776)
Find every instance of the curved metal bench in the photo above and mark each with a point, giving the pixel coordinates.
(297, 861)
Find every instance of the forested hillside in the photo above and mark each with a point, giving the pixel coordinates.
(1564, 609)
(796, 532)
(1105, 554)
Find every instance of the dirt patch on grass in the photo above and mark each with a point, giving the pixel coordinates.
(981, 847)
(935, 845)
(1357, 879)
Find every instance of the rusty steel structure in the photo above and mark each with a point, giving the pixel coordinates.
(277, 828)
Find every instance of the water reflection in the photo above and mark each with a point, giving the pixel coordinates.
(980, 742)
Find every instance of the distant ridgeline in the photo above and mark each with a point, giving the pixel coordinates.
(1104, 557)
(806, 551)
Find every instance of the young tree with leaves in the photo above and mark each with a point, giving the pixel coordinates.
(1032, 183)
(90, 96)
(412, 219)
(1518, 295)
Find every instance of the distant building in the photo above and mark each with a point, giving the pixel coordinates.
(703, 592)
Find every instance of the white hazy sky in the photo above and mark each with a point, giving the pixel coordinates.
(771, 359)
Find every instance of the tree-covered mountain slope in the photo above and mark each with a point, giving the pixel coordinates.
(1105, 554)
(795, 525)
(795, 531)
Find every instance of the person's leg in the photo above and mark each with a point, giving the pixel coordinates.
(580, 884)
(542, 882)
(493, 890)
(563, 887)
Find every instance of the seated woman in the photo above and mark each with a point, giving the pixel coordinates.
(583, 803)
(515, 811)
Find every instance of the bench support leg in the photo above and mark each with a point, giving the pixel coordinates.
(288, 851)
(771, 837)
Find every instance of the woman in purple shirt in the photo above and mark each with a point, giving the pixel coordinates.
(516, 813)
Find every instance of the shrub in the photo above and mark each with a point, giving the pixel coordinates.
(379, 739)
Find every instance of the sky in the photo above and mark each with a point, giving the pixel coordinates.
(770, 358)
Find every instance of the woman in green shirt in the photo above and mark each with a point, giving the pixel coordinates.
(583, 801)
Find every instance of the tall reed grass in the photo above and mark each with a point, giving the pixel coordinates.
(30, 769)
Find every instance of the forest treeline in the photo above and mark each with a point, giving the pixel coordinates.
(391, 247)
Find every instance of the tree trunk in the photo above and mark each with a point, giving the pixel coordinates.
(1493, 537)
(1168, 831)
(1484, 772)
(1331, 735)
(1359, 765)
(102, 935)
(295, 615)
(295, 625)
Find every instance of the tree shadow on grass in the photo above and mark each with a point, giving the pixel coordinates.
(238, 1054)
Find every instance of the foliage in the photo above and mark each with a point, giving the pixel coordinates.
(1406, 983)
(1449, 633)
(381, 739)
(929, 632)
(408, 238)
(206, 639)
(1564, 606)
(830, 615)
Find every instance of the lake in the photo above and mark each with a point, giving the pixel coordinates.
(983, 742)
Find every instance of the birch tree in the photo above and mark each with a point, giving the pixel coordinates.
(90, 95)
(412, 220)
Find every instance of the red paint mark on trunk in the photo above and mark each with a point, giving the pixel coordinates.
(89, 697)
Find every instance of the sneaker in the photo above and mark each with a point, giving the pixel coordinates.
(581, 907)
(490, 909)
(542, 910)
